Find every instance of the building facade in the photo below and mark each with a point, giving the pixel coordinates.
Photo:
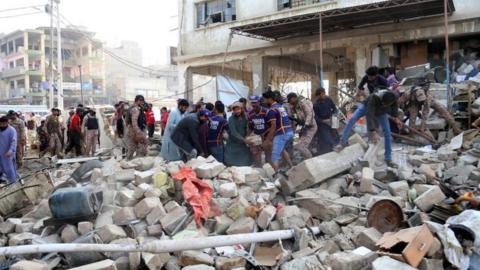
(25, 69)
(272, 42)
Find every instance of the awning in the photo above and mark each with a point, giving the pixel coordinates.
(344, 19)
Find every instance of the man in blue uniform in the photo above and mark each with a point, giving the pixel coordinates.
(257, 123)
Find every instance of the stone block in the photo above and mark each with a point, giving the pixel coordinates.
(123, 216)
(329, 228)
(350, 260)
(111, 232)
(356, 138)
(209, 170)
(426, 201)
(126, 198)
(193, 257)
(384, 263)
(435, 250)
(368, 238)
(290, 216)
(104, 218)
(121, 241)
(366, 182)
(228, 190)
(170, 206)
(145, 206)
(155, 230)
(122, 263)
(321, 206)
(266, 216)
(172, 219)
(69, 233)
(7, 227)
(144, 176)
(174, 166)
(84, 227)
(102, 265)
(155, 261)
(242, 225)
(125, 175)
(318, 169)
(399, 188)
(29, 265)
(155, 215)
(198, 267)
(430, 264)
(269, 171)
(222, 223)
(237, 208)
(21, 238)
(222, 263)
(24, 227)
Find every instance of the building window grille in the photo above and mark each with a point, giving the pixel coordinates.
(216, 11)
(284, 4)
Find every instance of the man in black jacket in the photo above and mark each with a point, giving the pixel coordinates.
(186, 135)
(376, 108)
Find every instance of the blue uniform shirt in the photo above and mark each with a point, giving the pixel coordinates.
(258, 121)
(216, 127)
(277, 112)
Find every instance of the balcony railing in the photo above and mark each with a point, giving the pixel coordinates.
(12, 72)
(286, 4)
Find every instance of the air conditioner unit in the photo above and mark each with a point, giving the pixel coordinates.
(216, 17)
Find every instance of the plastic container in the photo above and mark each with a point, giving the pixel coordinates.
(74, 202)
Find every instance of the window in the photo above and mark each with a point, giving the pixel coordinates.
(84, 51)
(216, 11)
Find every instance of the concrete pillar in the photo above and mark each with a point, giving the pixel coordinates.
(185, 81)
(314, 84)
(27, 83)
(259, 74)
(361, 62)
(42, 58)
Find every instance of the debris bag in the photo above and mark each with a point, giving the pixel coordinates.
(197, 193)
(451, 247)
(468, 225)
(76, 202)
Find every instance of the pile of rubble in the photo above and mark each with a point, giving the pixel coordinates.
(346, 211)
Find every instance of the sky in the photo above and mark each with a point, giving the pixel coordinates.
(151, 23)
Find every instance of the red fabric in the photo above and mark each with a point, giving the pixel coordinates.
(198, 194)
(164, 119)
(150, 117)
(75, 123)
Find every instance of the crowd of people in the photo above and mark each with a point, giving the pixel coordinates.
(259, 130)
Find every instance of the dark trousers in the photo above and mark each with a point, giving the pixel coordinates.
(151, 130)
(325, 139)
(74, 141)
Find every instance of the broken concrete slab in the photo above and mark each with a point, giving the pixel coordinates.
(69, 233)
(329, 228)
(266, 216)
(384, 263)
(111, 232)
(223, 263)
(84, 227)
(193, 257)
(426, 201)
(155, 215)
(155, 261)
(124, 216)
(222, 223)
(300, 263)
(318, 169)
(29, 265)
(399, 188)
(368, 238)
(366, 181)
(145, 206)
(102, 265)
(319, 203)
(290, 216)
(198, 267)
(228, 190)
(242, 225)
(172, 219)
(209, 170)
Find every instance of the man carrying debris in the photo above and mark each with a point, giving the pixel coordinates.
(91, 130)
(54, 130)
(136, 134)
(237, 152)
(280, 132)
(418, 98)
(301, 109)
(324, 109)
(169, 149)
(216, 126)
(19, 126)
(8, 146)
(257, 122)
(373, 81)
(186, 136)
(75, 133)
(376, 108)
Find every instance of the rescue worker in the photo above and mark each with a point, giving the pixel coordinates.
(257, 123)
(91, 131)
(373, 81)
(53, 127)
(19, 126)
(324, 109)
(186, 134)
(137, 124)
(280, 132)
(42, 137)
(8, 146)
(75, 133)
(301, 109)
(376, 108)
(216, 126)
(169, 149)
(237, 152)
(419, 99)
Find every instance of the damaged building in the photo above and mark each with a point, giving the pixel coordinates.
(276, 42)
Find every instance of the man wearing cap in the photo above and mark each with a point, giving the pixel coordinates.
(280, 132)
(8, 146)
(19, 126)
(237, 152)
(186, 137)
(301, 109)
(216, 126)
(53, 127)
(257, 123)
(376, 108)
(418, 98)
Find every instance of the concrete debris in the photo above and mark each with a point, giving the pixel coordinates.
(432, 196)
(383, 263)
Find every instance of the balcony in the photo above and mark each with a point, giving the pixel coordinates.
(34, 53)
(13, 72)
(286, 4)
(35, 72)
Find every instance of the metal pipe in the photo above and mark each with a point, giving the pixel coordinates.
(320, 35)
(159, 246)
(447, 55)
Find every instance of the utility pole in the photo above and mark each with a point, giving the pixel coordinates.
(81, 82)
(447, 54)
(51, 54)
(59, 60)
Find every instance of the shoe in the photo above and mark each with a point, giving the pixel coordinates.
(392, 164)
